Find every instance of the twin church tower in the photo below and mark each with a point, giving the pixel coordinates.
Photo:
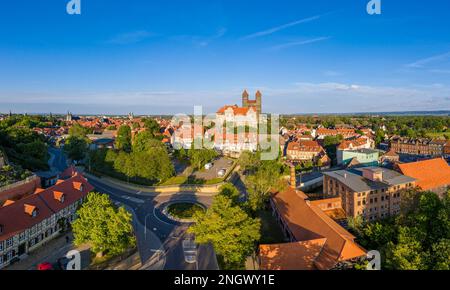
(256, 103)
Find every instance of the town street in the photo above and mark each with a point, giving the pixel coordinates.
(159, 237)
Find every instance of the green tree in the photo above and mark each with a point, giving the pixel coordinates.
(229, 229)
(123, 139)
(78, 131)
(152, 126)
(266, 178)
(200, 157)
(145, 141)
(231, 192)
(76, 148)
(106, 228)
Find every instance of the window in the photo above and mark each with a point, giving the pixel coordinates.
(1, 246)
(9, 242)
(1, 229)
(359, 202)
(22, 236)
(1, 259)
(9, 256)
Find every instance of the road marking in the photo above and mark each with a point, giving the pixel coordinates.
(154, 214)
(130, 198)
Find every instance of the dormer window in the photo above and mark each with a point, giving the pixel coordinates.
(59, 196)
(31, 210)
(1, 229)
(78, 185)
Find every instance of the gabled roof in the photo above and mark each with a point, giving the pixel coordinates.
(305, 146)
(16, 217)
(307, 222)
(236, 110)
(430, 173)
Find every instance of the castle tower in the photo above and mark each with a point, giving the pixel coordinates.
(258, 100)
(256, 103)
(245, 99)
(68, 117)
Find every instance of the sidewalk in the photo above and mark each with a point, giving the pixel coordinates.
(50, 252)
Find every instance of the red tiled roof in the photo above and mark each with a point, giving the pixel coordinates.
(236, 110)
(305, 146)
(17, 216)
(429, 174)
(347, 144)
(308, 223)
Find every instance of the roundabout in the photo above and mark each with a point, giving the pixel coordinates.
(182, 211)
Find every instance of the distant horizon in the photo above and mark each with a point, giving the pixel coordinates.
(391, 113)
(163, 57)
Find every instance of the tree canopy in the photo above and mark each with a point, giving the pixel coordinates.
(417, 239)
(108, 229)
(76, 147)
(147, 163)
(229, 229)
(123, 139)
(262, 180)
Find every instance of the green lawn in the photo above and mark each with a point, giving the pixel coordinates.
(184, 210)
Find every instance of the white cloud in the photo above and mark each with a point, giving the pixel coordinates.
(429, 60)
(297, 43)
(281, 27)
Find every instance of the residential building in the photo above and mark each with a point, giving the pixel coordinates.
(418, 146)
(304, 150)
(432, 174)
(370, 192)
(362, 142)
(366, 157)
(389, 157)
(321, 133)
(316, 241)
(27, 223)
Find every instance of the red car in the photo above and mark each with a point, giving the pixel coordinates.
(45, 266)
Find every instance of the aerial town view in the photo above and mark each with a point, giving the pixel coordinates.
(224, 135)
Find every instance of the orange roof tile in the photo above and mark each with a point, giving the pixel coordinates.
(308, 222)
(432, 173)
(290, 256)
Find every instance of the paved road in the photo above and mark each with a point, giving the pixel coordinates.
(58, 161)
(157, 235)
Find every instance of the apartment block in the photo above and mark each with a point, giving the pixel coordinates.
(370, 192)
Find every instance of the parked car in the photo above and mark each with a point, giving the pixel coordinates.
(208, 166)
(45, 266)
(221, 172)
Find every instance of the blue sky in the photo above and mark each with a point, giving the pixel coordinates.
(163, 57)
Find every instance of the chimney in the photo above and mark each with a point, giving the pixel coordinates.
(293, 179)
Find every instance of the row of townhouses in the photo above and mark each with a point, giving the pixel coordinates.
(27, 223)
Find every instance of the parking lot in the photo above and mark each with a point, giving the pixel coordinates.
(218, 164)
